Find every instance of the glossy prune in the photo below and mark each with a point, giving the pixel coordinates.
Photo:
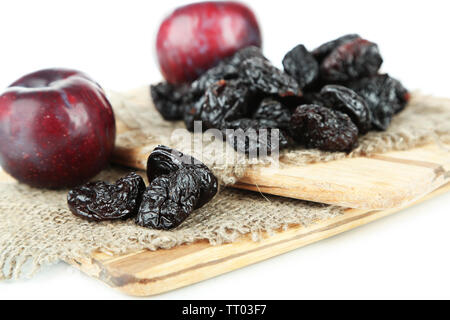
(384, 95)
(193, 113)
(208, 184)
(273, 111)
(301, 65)
(349, 102)
(249, 52)
(255, 137)
(179, 184)
(224, 101)
(319, 127)
(164, 161)
(325, 49)
(169, 200)
(170, 100)
(261, 76)
(101, 201)
(227, 69)
(223, 71)
(351, 60)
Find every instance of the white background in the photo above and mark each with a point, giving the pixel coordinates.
(402, 256)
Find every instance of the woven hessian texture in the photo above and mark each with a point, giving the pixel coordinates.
(37, 229)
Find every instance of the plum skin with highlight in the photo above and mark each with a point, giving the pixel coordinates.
(57, 129)
(196, 37)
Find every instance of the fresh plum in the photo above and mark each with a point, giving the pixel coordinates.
(57, 129)
(196, 37)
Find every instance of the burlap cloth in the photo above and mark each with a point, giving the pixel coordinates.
(37, 229)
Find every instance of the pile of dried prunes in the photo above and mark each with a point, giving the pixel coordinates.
(324, 99)
(178, 185)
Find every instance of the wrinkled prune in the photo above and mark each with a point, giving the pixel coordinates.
(170, 100)
(325, 49)
(323, 128)
(301, 65)
(255, 137)
(179, 184)
(227, 69)
(403, 95)
(244, 54)
(349, 102)
(100, 201)
(224, 101)
(351, 60)
(274, 113)
(169, 200)
(384, 95)
(164, 161)
(207, 182)
(193, 113)
(263, 77)
(223, 71)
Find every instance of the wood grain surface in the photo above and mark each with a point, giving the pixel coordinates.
(380, 182)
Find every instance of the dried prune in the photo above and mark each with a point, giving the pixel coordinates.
(165, 161)
(349, 102)
(403, 95)
(255, 137)
(351, 60)
(170, 100)
(249, 52)
(207, 182)
(227, 69)
(301, 65)
(193, 113)
(384, 95)
(100, 201)
(325, 49)
(169, 200)
(179, 184)
(225, 101)
(265, 78)
(323, 128)
(223, 71)
(273, 112)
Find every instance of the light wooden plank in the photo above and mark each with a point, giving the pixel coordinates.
(380, 182)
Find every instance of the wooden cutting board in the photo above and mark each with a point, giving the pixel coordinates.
(146, 273)
(380, 182)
